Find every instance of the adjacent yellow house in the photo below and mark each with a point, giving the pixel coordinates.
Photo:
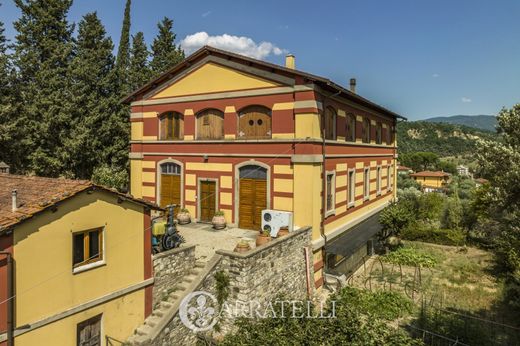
(431, 181)
(75, 262)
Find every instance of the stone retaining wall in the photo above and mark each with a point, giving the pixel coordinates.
(169, 269)
(276, 269)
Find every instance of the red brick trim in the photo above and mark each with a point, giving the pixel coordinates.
(318, 283)
(318, 265)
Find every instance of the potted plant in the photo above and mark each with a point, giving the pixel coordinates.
(183, 216)
(219, 221)
(263, 237)
(283, 231)
(242, 246)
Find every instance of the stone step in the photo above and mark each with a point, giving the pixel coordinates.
(189, 278)
(158, 312)
(152, 321)
(166, 305)
(143, 330)
(200, 264)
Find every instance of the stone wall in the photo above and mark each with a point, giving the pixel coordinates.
(169, 269)
(276, 269)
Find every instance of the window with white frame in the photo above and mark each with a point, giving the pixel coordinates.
(378, 180)
(351, 187)
(87, 248)
(366, 183)
(331, 188)
(389, 178)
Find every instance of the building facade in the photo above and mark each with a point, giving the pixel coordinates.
(432, 181)
(225, 132)
(75, 258)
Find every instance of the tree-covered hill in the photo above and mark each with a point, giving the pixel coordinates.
(482, 122)
(440, 138)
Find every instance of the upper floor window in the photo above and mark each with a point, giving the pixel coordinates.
(254, 122)
(210, 124)
(379, 133)
(171, 126)
(330, 123)
(389, 134)
(351, 128)
(87, 247)
(366, 130)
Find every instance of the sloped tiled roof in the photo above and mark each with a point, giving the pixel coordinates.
(430, 174)
(404, 168)
(36, 194)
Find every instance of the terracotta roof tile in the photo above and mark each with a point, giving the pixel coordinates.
(35, 194)
(430, 174)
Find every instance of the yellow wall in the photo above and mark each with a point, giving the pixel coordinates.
(216, 78)
(307, 201)
(45, 283)
(307, 125)
(120, 319)
(136, 178)
(430, 181)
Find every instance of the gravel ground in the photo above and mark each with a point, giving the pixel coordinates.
(209, 240)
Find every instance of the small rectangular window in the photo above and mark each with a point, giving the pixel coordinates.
(87, 247)
(351, 187)
(330, 185)
(366, 184)
(378, 180)
(89, 332)
(388, 178)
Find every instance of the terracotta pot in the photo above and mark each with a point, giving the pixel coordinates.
(242, 247)
(262, 239)
(183, 218)
(219, 222)
(283, 232)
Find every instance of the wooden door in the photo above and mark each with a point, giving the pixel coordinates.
(253, 199)
(207, 199)
(171, 191)
(210, 124)
(254, 123)
(89, 332)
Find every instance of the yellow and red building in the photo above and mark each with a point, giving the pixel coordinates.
(75, 262)
(221, 131)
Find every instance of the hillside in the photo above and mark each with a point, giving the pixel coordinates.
(440, 138)
(482, 122)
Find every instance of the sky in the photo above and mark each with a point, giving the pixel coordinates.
(419, 58)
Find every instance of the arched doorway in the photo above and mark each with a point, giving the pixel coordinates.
(170, 188)
(252, 196)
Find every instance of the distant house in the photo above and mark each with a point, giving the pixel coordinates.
(481, 181)
(431, 181)
(463, 170)
(4, 168)
(404, 170)
(75, 262)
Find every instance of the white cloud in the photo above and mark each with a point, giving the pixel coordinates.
(465, 99)
(238, 44)
(205, 14)
(435, 75)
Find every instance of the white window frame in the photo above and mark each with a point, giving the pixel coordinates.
(389, 178)
(366, 183)
(351, 188)
(332, 210)
(379, 181)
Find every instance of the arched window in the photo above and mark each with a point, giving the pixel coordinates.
(330, 123)
(210, 124)
(254, 122)
(366, 130)
(171, 126)
(351, 128)
(170, 168)
(379, 133)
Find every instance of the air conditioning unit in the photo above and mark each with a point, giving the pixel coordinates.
(273, 220)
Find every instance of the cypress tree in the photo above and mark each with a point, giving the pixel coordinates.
(42, 53)
(94, 99)
(123, 53)
(139, 73)
(165, 53)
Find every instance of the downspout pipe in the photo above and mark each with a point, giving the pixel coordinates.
(324, 174)
(10, 303)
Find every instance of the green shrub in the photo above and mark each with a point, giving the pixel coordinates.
(430, 234)
(411, 256)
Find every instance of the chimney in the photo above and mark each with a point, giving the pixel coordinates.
(353, 85)
(289, 61)
(14, 200)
